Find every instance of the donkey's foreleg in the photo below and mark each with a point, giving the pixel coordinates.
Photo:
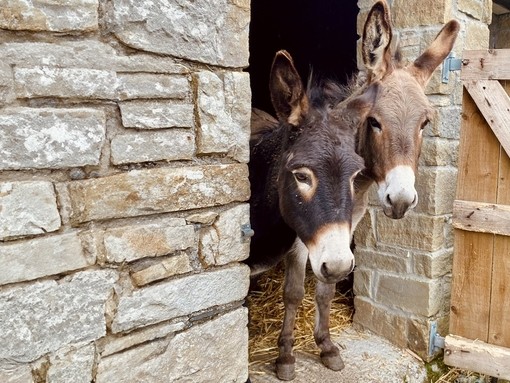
(330, 354)
(294, 291)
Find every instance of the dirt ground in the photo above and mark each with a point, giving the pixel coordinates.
(367, 357)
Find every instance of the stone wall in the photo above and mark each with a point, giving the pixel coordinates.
(402, 281)
(123, 185)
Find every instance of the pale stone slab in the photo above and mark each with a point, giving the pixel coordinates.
(6, 84)
(50, 138)
(40, 257)
(210, 32)
(169, 145)
(224, 110)
(47, 81)
(175, 265)
(53, 16)
(114, 345)
(45, 316)
(85, 53)
(72, 365)
(149, 85)
(151, 191)
(27, 208)
(223, 242)
(156, 114)
(436, 190)
(216, 351)
(183, 296)
(129, 243)
(15, 373)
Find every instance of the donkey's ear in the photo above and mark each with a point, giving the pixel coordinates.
(362, 104)
(375, 46)
(424, 66)
(287, 92)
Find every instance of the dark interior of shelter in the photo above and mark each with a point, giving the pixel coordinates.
(318, 34)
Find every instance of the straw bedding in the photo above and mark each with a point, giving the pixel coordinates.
(266, 316)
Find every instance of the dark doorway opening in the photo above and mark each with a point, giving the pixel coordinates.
(318, 34)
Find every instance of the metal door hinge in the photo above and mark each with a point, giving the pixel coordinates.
(450, 63)
(436, 341)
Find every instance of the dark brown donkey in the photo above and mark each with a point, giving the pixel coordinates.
(393, 112)
(302, 173)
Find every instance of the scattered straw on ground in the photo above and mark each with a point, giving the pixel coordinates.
(266, 317)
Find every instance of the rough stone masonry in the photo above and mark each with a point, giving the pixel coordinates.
(124, 132)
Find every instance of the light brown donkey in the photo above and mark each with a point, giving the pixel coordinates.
(390, 112)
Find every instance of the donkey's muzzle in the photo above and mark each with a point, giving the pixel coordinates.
(397, 193)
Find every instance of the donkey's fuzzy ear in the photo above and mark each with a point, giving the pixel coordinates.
(363, 103)
(424, 66)
(375, 46)
(287, 92)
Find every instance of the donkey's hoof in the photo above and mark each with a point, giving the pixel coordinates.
(285, 371)
(332, 360)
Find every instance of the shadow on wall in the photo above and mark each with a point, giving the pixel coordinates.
(318, 34)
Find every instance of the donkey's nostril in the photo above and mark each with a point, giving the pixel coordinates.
(388, 199)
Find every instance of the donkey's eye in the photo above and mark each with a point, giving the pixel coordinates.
(374, 124)
(302, 177)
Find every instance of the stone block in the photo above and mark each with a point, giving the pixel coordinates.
(11, 372)
(75, 304)
(380, 320)
(418, 330)
(168, 145)
(379, 260)
(477, 35)
(112, 345)
(6, 84)
(50, 138)
(418, 296)
(41, 257)
(27, 208)
(439, 152)
(45, 81)
(151, 191)
(215, 351)
(478, 9)
(72, 364)
(433, 265)
(84, 53)
(223, 242)
(182, 296)
(209, 32)
(447, 123)
(156, 114)
(150, 85)
(436, 189)
(411, 13)
(129, 243)
(416, 231)
(364, 235)
(71, 15)
(169, 267)
(362, 282)
(224, 109)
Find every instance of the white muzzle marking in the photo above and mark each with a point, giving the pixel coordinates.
(397, 193)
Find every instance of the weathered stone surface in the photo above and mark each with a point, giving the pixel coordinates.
(447, 123)
(76, 306)
(380, 320)
(439, 152)
(417, 296)
(418, 331)
(362, 282)
(50, 138)
(410, 13)
(417, 231)
(6, 84)
(47, 81)
(156, 114)
(364, 235)
(433, 265)
(129, 243)
(167, 145)
(479, 9)
(380, 260)
(477, 35)
(142, 192)
(224, 109)
(54, 16)
(15, 373)
(436, 189)
(72, 365)
(27, 208)
(174, 265)
(149, 85)
(224, 341)
(210, 32)
(111, 345)
(182, 296)
(223, 242)
(84, 53)
(27, 260)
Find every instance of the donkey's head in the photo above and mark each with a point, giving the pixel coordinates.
(316, 172)
(395, 109)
